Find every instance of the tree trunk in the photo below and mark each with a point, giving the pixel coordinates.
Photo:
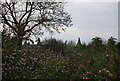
(20, 43)
(20, 38)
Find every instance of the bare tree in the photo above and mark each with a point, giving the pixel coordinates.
(24, 19)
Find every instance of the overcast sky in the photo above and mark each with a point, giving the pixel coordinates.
(90, 19)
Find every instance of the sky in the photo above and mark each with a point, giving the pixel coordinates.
(90, 19)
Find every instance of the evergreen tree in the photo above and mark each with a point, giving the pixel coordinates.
(79, 42)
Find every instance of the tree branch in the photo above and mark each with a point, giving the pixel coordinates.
(33, 27)
(40, 22)
(11, 12)
(26, 11)
(6, 21)
(28, 15)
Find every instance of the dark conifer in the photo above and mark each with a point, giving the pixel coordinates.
(79, 42)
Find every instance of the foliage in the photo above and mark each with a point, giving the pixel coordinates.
(97, 42)
(54, 45)
(42, 63)
(112, 41)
